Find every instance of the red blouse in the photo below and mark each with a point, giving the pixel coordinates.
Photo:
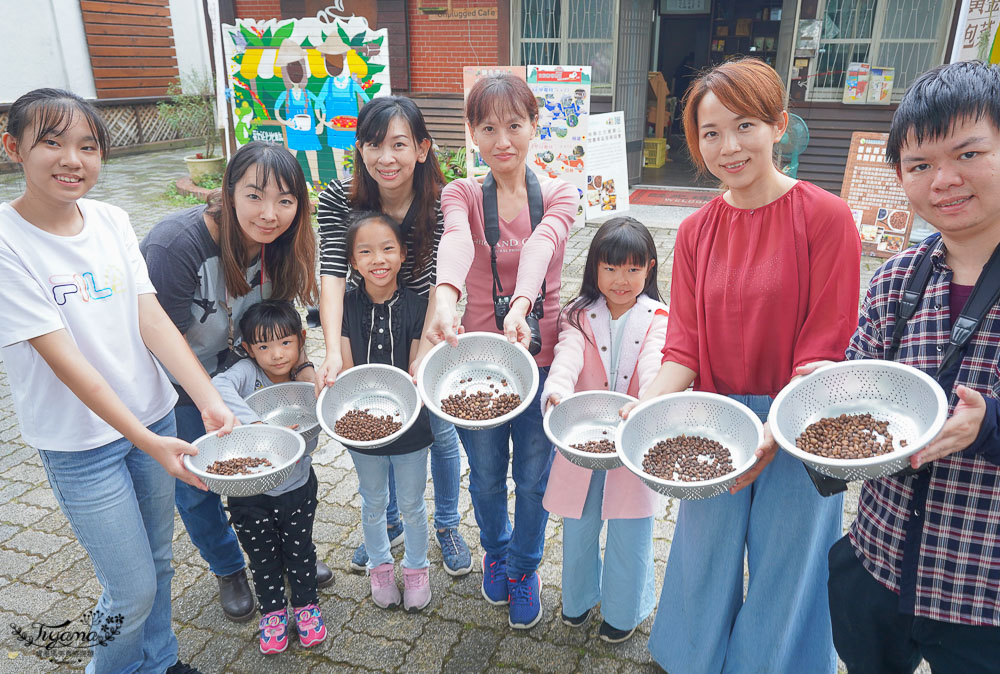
(757, 292)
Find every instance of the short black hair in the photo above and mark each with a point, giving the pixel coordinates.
(270, 319)
(940, 97)
(54, 110)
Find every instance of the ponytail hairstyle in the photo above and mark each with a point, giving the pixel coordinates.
(621, 240)
(52, 111)
(290, 260)
(373, 124)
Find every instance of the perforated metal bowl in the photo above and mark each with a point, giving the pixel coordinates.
(910, 400)
(289, 404)
(283, 447)
(478, 355)
(582, 417)
(709, 415)
(383, 390)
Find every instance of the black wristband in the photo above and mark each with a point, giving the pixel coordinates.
(299, 368)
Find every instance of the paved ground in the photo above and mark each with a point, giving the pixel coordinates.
(45, 575)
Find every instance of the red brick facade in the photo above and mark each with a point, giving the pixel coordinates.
(258, 9)
(439, 49)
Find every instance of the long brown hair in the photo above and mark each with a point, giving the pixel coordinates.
(290, 260)
(373, 124)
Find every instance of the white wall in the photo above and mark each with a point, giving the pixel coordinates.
(190, 37)
(44, 46)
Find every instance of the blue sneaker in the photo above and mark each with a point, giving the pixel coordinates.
(454, 552)
(525, 601)
(359, 562)
(495, 589)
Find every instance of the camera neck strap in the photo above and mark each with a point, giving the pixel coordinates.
(491, 220)
(985, 295)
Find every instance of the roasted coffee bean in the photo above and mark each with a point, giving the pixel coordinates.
(849, 436)
(362, 426)
(596, 446)
(480, 406)
(688, 458)
(240, 465)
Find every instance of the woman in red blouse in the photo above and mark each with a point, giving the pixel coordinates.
(765, 280)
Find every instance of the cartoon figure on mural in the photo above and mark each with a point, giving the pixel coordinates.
(300, 106)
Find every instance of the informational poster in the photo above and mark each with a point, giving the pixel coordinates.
(881, 210)
(856, 83)
(607, 170)
(880, 85)
(563, 95)
(474, 164)
(976, 37)
(301, 82)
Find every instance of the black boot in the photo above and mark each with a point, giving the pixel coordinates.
(324, 576)
(234, 594)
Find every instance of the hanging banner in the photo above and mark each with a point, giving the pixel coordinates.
(301, 82)
(976, 35)
(607, 170)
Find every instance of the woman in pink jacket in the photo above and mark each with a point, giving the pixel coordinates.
(611, 340)
(530, 220)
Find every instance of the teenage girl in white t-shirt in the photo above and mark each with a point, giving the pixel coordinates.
(80, 323)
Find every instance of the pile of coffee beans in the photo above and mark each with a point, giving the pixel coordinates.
(480, 406)
(363, 426)
(596, 446)
(688, 458)
(849, 436)
(240, 465)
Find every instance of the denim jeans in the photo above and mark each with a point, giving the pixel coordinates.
(445, 475)
(373, 484)
(623, 582)
(784, 528)
(489, 453)
(201, 511)
(119, 502)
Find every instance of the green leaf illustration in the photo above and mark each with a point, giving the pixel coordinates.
(285, 31)
(343, 34)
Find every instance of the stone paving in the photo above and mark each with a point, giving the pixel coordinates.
(45, 575)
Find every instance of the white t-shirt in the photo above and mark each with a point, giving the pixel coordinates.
(88, 284)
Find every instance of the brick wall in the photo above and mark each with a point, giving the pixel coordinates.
(439, 49)
(258, 9)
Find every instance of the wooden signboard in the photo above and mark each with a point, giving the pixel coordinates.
(881, 210)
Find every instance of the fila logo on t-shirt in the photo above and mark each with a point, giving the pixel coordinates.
(84, 286)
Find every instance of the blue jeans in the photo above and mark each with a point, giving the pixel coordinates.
(624, 583)
(201, 511)
(785, 528)
(373, 484)
(489, 453)
(445, 474)
(119, 502)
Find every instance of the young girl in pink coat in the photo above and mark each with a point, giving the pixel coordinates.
(611, 338)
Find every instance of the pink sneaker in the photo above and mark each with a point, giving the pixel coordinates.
(385, 594)
(416, 589)
(274, 632)
(309, 623)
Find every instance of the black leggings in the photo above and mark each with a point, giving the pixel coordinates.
(276, 535)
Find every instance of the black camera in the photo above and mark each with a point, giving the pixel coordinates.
(501, 305)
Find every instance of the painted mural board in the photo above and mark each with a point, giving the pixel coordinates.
(606, 165)
(881, 210)
(301, 82)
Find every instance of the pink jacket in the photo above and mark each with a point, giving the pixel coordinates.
(582, 365)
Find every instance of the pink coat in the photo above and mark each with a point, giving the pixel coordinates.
(583, 365)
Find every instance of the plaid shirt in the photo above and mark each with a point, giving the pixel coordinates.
(934, 538)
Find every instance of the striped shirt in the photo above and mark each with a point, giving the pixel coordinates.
(334, 215)
(934, 538)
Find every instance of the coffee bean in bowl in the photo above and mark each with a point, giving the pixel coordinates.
(479, 406)
(688, 458)
(848, 436)
(363, 426)
(238, 465)
(596, 446)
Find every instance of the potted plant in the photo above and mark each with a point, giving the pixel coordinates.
(193, 114)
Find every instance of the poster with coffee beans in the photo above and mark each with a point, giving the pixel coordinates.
(881, 210)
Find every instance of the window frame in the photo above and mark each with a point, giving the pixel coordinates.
(875, 43)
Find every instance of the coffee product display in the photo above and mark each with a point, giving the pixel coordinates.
(688, 458)
(240, 465)
(596, 447)
(849, 436)
(363, 426)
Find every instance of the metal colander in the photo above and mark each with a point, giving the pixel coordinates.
(709, 415)
(383, 390)
(582, 417)
(283, 447)
(478, 355)
(288, 404)
(910, 400)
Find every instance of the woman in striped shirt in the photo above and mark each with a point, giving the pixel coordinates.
(396, 173)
